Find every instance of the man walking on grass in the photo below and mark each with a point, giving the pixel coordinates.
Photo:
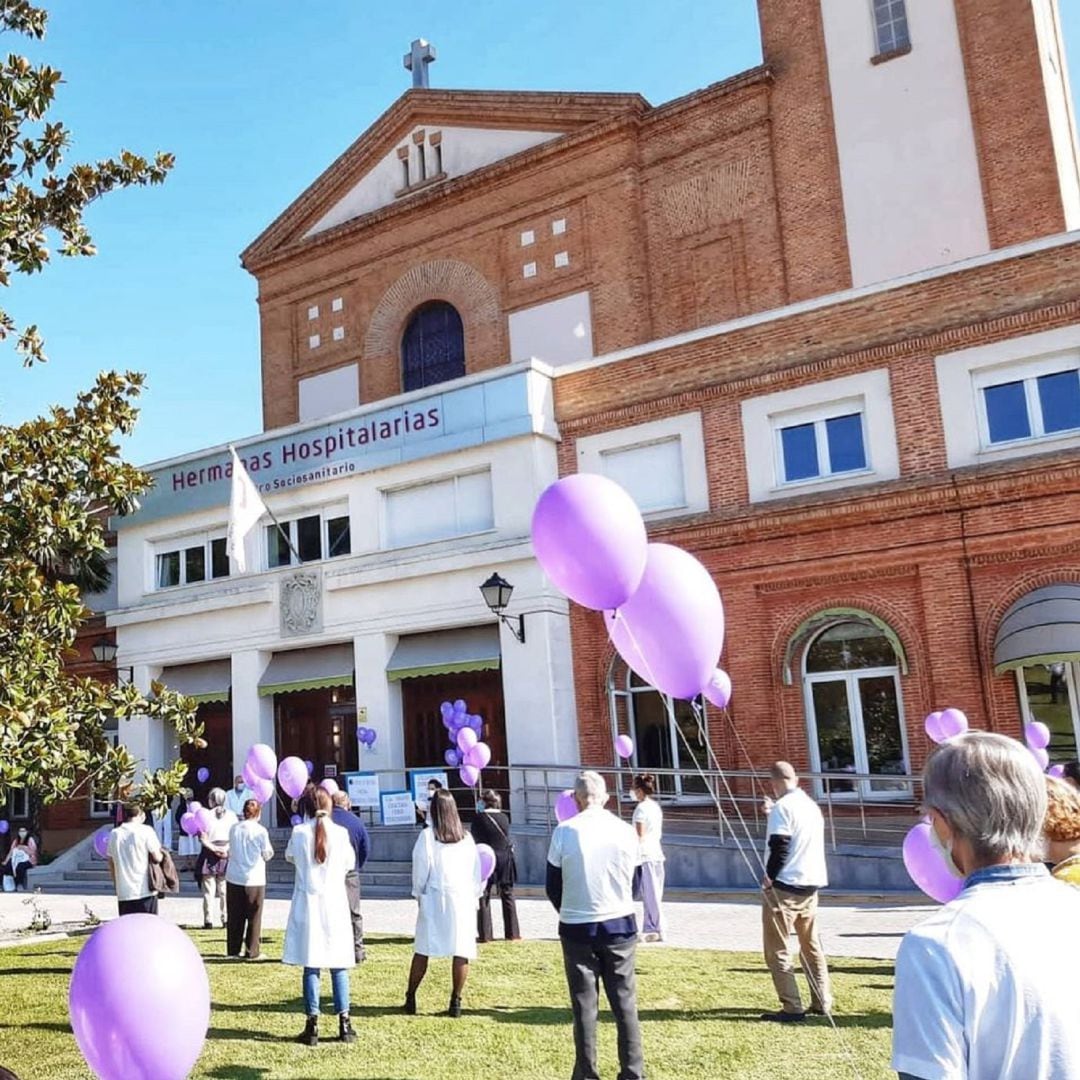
(794, 872)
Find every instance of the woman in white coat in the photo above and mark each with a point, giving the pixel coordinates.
(319, 931)
(447, 883)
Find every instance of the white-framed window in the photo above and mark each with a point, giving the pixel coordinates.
(17, 807)
(305, 538)
(1048, 692)
(1021, 403)
(190, 559)
(822, 442)
(102, 805)
(891, 25)
(438, 509)
(661, 464)
(832, 434)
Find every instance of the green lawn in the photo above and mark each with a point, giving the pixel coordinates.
(699, 1013)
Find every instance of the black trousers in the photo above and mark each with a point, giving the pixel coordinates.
(509, 913)
(243, 918)
(352, 890)
(587, 965)
(19, 873)
(145, 905)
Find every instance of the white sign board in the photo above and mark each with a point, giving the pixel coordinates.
(362, 789)
(397, 808)
(420, 778)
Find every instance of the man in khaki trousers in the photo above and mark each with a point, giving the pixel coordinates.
(794, 872)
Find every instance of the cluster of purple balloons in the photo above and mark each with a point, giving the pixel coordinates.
(661, 606)
(259, 770)
(1037, 738)
(197, 819)
(366, 736)
(467, 753)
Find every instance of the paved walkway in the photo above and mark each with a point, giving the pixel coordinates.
(851, 930)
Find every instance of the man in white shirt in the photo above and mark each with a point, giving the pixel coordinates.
(590, 874)
(132, 846)
(245, 883)
(235, 799)
(984, 986)
(794, 872)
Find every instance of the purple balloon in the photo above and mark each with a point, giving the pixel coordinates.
(310, 766)
(469, 774)
(296, 819)
(718, 689)
(4, 827)
(1056, 771)
(590, 539)
(372, 735)
(671, 630)
(292, 775)
(329, 785)
(101, 841)
(452, 758)
(933, 727)
(926, 866)
(263, 760)
(953, 722)
(1041, 756)
(204, 819)
(249, 774)
(460, 707)
(466, 739)
(263, 790)
(478, 756)
(487, 860)
(1037, 735)
(624, 746)
(194, 806)
(447, 710)
(565, 806)
(146, 1036)
(190, 823)
(203, 775)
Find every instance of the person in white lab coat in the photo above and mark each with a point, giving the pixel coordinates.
(319, 931)
(447, 884)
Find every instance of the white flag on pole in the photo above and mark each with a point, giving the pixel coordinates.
(246, 509)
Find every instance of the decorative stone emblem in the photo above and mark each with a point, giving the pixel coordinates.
(301, 603)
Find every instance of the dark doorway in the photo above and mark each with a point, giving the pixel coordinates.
(317, 726)
(217, 755)
(426, 740)
(432, 347)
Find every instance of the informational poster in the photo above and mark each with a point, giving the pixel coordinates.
(419, 780)
(363, 789)
(397, 808)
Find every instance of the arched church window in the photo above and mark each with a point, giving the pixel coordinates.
(433, 346)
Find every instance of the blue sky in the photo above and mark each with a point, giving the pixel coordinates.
(256, 98)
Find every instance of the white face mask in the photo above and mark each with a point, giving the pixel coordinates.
(945, 851)
(22, 834)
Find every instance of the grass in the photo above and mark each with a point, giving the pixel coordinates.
(699, 1012)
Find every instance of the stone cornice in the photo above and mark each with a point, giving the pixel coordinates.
(789, 584)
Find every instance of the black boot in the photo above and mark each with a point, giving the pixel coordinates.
(345, 1030)
(310, 1035)
(455, 1006)
(409, 1008)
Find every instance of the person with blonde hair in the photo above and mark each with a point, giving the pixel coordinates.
(1061, 830)
(319, 930)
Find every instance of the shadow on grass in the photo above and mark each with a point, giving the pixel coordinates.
(834, 969)
(66, 1028)
(36, 971)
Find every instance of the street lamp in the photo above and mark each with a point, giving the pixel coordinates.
(104, 652)
(496, 592)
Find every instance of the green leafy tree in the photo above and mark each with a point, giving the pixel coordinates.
(61, 475)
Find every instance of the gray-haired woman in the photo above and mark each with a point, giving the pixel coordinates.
(213, 860)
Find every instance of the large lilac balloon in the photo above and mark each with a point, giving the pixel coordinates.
(249, 774)
(487, 860)
(329, 785)
(565, 806)
(671, 630)
(123, 1000)
(470, 775)
(624, 746)
(466, 739)
(478, 756)
(1037, 735)
(590, 539)
(203, 775)
(1041, 756)
(718, 689)
(933, 727)
(194, 806)
(263, 790)
(101, 841)
(926, 866)
(292, 775)
(189, 822)
(263, 760)
(953, 722)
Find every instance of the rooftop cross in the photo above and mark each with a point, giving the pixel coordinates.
(417, 59)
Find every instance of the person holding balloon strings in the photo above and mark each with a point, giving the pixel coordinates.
(216, 823)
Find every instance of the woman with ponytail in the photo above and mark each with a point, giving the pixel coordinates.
(319, 931)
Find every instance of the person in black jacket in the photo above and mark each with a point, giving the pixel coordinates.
(492, 827)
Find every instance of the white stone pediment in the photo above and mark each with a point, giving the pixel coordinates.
(446, 152)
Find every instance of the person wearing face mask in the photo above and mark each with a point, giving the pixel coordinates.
(21, 856)
(492, 827)
(982, 985)
(794, 874)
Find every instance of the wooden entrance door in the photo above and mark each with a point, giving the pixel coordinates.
(426, 740)
(216, 718)
(317, 726)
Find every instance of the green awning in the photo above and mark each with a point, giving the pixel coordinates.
(209, 681)
(308, 669)
(447, 652)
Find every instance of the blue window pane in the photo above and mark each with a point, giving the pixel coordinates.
(1059, 396)
(800, 452)
(846, 450)
(1006, 412)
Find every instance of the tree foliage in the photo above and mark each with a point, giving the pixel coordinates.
(60, 475)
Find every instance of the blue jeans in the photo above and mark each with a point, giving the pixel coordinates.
(339, 977)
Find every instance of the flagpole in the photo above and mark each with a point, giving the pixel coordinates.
(281, 529)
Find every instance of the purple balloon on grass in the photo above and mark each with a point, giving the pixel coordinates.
(927, 868)
(293, 777)
(124, 1037)
(624, 747)
(565, 806)
(589, 537)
